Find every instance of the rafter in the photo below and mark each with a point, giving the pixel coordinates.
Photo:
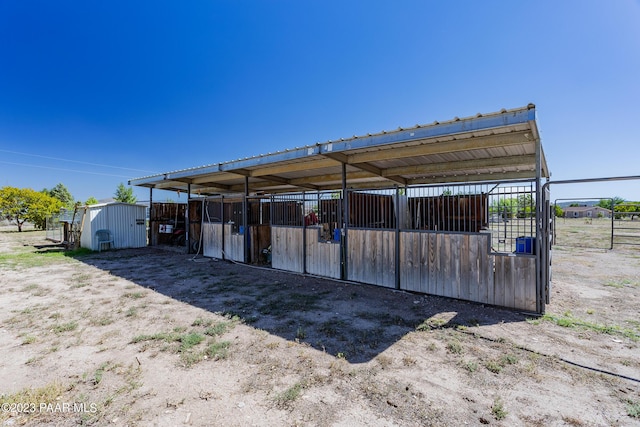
(464, 165)
(441, 147)
(342, 158)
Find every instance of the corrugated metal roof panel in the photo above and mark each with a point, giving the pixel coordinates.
(451, 145)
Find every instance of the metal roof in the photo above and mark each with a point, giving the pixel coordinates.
(485, 147)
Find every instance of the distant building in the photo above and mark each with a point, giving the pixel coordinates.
(586, 212)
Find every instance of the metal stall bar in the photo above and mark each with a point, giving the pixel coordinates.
(397, 236)
(222, 231)
(187, 221)
(245, 214)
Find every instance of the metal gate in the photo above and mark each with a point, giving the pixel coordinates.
(583, 226)
(621, 225)
(548, 227)
(626, 224)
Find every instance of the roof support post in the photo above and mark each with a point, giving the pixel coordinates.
(304, 234)
(541, 236)
(345, 225)
(186, 221)
(245, 219)
(224, 224)
(397, 254)
(149, 235)
(272, 200)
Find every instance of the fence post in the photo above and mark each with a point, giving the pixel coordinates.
(613, 206)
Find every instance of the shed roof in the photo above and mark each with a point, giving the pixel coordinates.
(485, 147)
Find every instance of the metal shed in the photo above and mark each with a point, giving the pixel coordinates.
(127, 223)
(451, 208)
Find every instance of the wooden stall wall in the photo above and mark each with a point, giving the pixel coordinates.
(461, 266)
(286, 249)
(515, 282)
(212, 240)
(322, 257)
(450, 265)
(371, 257)
(233, 244)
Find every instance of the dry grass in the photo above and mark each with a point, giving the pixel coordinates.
(303, 352)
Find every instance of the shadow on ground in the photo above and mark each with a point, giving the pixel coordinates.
(354, 321)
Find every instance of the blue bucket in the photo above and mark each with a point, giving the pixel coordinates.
(525, 245)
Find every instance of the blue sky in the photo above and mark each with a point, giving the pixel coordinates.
(95, 93)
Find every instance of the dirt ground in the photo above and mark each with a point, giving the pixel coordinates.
(151, 337)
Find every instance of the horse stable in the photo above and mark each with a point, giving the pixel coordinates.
(454, 209)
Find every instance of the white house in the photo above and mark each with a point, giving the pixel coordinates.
(586, 212)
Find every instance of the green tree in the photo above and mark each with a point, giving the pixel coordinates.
(24, 204)
(506, 208)
(61, 193)
(124, 194)
(91, 201)
(631, 209)
(526, 206)
(606, 203)
(558, 211)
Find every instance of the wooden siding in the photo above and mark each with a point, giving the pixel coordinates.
(233, 244)
(450, 265)
(454, 265)
(515, 282)
(371, 257)
(323, 258)
(460, 266)
(286, 249)
(212, 240)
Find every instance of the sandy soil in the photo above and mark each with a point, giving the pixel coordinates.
(154, 337)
